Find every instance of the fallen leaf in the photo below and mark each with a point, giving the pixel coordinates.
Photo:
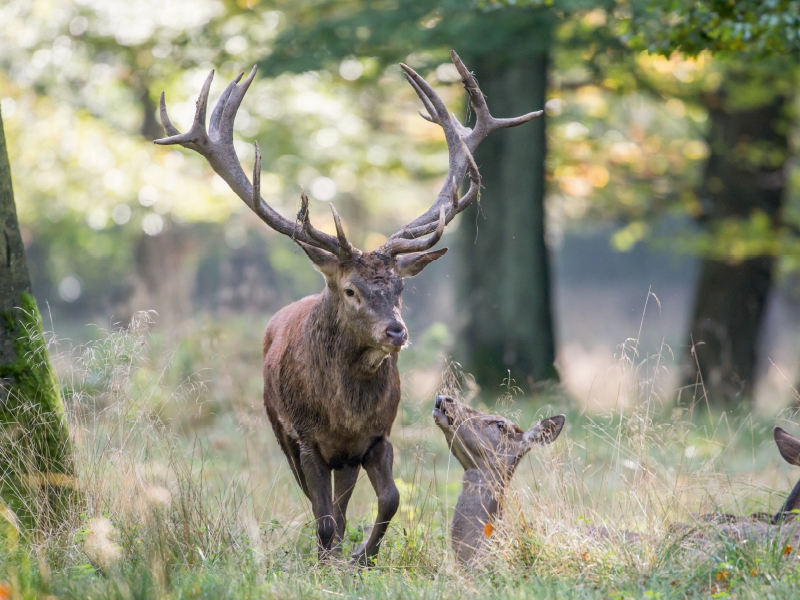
(787, 550)
(488, 529)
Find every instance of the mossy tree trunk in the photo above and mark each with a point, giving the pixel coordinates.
(36, 469)
(744, 178)
(504, 272)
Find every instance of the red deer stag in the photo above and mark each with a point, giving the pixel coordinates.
(331, 385)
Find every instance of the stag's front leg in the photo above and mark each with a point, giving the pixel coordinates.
(318, 479)
(378, 465)
(344, 480)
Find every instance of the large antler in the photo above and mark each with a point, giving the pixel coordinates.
(216, 145)
(461, 143)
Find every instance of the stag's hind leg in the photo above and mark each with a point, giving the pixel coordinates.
(289, 445)
(378, 465)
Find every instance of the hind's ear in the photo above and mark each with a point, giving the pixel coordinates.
(544, 432)
(788, 446)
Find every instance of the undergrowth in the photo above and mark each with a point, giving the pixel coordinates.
(182, 492)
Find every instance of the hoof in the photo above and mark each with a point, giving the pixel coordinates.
(361, 558)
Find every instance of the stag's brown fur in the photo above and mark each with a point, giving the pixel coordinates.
(332, 388)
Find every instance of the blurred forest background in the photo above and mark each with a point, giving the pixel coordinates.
(651, 172)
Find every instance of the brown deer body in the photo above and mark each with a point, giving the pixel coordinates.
(331, 384)
(489, 447)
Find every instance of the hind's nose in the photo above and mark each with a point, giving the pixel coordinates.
(438, 403)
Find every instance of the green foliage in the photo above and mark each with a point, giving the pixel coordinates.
(751, 28)
(416, 31)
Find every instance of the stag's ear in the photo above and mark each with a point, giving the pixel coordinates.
(544, 432)
(788, 446)
(325, 262)
(412, 264)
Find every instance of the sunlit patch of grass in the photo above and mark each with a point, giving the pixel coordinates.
(184, 494)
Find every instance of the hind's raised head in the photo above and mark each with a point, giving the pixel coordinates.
(490, 443)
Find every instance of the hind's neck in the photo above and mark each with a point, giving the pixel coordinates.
(475, 513)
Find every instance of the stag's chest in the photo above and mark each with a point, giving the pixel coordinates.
(349, 432)
(335, 408)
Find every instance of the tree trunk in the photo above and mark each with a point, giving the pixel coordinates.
(744, 176)
(35, 457)
(503, 275)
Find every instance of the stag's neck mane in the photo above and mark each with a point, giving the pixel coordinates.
(338, 344)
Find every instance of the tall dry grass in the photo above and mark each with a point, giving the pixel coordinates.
(183, 493)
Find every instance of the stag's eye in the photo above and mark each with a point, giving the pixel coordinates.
(349, 292)
(500, 425)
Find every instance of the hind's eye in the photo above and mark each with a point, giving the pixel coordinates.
(349, 292)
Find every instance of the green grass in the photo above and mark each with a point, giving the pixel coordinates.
(185, 494)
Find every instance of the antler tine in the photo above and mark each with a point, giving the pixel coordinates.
(168, 126)
(485, 123)
(346, 249)
(433, 105)
(216, 114)
(197, 133)
(399, 245)
(232, 103)
(320, 239)
(431, 116)
(217, 148)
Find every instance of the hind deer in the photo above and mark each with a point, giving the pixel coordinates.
(331, 384)
(489, 447)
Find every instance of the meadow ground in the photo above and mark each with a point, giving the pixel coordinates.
(183, 493)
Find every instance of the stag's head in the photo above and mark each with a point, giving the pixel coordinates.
(365, 287)
(490, 443)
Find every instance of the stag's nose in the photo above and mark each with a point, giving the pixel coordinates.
(396, 334)
(439, 401)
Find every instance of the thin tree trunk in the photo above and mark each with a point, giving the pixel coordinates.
(744, 175)
(503, 274)
(35, 452)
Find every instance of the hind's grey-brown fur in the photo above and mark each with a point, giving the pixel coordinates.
(489, 447)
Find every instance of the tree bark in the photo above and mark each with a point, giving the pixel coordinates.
(503, 274)
(744, 175)
(35, 456)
